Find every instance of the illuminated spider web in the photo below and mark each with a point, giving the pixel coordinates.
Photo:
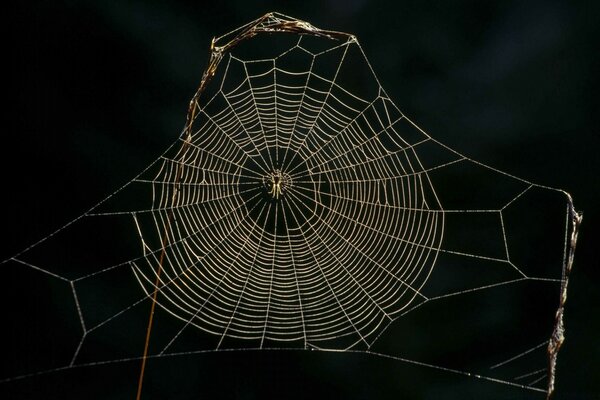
(300, 208)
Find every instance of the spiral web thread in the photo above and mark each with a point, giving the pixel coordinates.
(301, 209)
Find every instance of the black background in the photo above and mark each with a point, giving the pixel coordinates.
(100, 88)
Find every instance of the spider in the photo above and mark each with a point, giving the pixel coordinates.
(276, 181)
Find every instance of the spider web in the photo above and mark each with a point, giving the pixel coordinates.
(301, 209)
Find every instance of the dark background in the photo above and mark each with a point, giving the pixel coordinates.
(100, 88)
